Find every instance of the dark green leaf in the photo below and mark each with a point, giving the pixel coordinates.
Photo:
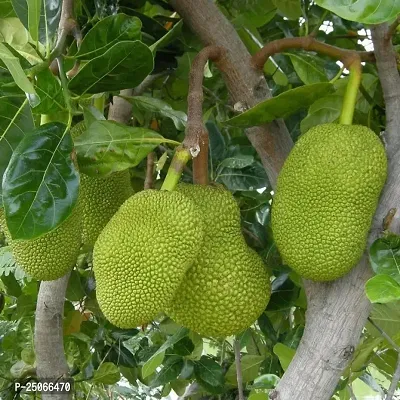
(168, 37)
(108, 146)
(209, 374)
(290, 9)
(108, 374)
(123, 66)
(40, 185)
(384, 256)
(267, 328)
(131, 374)
(152, 364)
(366, 11)
(50, 93)
(250, 367)
(184, 347)
(15, 120)
(239, 162)
(285, 354)
(382, 289)
(12, 286)
(75, 291)
(170, 371)
(309, 68)
(281, 106)
(158, 107)
(216, 142)
(266, 381)
(284, 293)
(106, 33)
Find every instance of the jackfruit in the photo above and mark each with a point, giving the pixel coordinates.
(100, 196)
(51, 255)
(141, 256)
(325, 199)
(227, 288)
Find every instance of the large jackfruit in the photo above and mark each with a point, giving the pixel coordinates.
(52, 255)
(141, 256)
(100, 196)
(227, 287)
(326, 196)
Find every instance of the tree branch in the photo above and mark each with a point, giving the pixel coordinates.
(392, 29)
(337, 311)
(395, 380)
(238, 364)
(308, 43)
(148, 182)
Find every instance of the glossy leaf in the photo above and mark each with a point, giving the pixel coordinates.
(123, 66)
(281, 106)
(107, 374)
(15, 120)
(366, 11)
(290, 9)
(266, 381)
(168, 37)
(384, 256)
(209, 374)
(309, 68)
(108, 146)
(40, 185)
(13, 65)
(285, 354)
(170, 371)
(50, 93)
(250, 367)
(382, 289)
(106, 33)
(159, 108)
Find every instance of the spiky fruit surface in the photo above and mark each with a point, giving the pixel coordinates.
(227, 287)
(52, 255)
(326, 196)
(141, 256)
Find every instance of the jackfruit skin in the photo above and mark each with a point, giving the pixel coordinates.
(101, 197)
(52, 255)
(227, 288)
(141, 256)
(326, 195)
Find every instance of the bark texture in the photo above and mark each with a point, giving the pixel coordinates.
(337, 311)
(49, 344)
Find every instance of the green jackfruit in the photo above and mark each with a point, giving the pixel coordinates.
(52, 255)
(100, 196)
(141, 256)
(325, 199)
(227, 288)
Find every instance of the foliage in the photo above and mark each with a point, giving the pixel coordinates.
(123, 43)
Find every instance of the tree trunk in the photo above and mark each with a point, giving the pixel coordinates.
(337, 311)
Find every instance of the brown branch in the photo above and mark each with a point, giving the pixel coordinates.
(392, 29)
(148, 182)
(310, 44)
(196, 135)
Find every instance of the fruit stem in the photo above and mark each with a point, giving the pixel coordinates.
(180, 159)
(350, 97)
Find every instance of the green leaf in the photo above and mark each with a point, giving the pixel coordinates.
(281, 106)
(285, 354)
(168, 38)
(108, 146)
(12, 286)
(387, 317)
(15, 120)
(384, 256)
(184, 347)
(365, 11)
(108, 374)
(50, 93)
(152, 364)
(106, 33)
(382, 289)
(309, 68)
(157, 358)
(158, 107)
(266, 381)
(75, 291)
(170, 371)
(209, 374)
(34, 7)
(290, 9)
(131, 374)
(255, 13)
(123, 66)
(41, 172)
(6, 9)
(250, 368)
(240, 161)
(13, 65)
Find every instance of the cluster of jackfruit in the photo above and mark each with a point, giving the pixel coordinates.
(327, 193)
(181, 252)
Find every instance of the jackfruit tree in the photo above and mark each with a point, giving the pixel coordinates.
(198, 199)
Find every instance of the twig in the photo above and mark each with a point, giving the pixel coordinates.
(148, 182)
(239, 375)
(392, 28)
(385, 335)
(310, 44)
(395, 380)
(196, 135)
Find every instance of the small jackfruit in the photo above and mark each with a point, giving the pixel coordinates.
(325, 199)
(141, 256)
(227, 288)
(51, 255)
(100, 196)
